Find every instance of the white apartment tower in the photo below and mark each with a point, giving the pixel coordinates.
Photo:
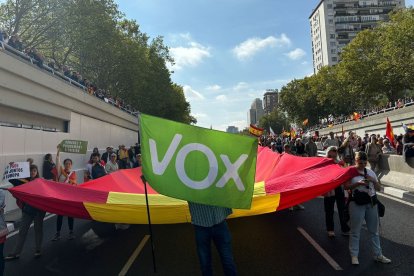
(334, 23)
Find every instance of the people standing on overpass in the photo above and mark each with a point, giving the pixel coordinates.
(67, 176)
(336, 195)
(363, 207)
(210, 225)
(373, 151)
(331, 141)
(29, 215)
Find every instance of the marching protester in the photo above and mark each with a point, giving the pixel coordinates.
(311, 148)
(346, 151)
(373, 152)
(337, 195)
(67, 176)
(111, 165)
(210, 225)
(49, 168)
(363, 207)
(29, 215)
(3, 229)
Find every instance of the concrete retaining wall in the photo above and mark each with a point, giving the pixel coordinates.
(394, 171)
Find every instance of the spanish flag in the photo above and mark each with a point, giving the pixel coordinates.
(356, 116)
(256, 131)
(389, 133)
(292, 133)
(305, 122)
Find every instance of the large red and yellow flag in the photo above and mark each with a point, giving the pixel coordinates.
(390, 133)
(256, 131)
(281, 181)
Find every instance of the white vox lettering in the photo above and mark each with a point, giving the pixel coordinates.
(232, 171)
(160, 167)
(180, 168)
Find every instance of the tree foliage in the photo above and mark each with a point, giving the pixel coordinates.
(95, 39)
(276, 120)
(375, 68)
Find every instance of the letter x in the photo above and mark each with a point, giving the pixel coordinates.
(232, 171)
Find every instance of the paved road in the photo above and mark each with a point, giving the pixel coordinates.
(263, 245)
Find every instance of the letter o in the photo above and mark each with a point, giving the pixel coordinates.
(182, 175)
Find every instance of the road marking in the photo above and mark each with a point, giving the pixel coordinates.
(396, 199)
(31, 225)
(134, 256)
(321, 251)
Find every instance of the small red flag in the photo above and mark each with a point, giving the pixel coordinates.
(389, 133)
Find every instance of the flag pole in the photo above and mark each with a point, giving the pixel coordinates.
(146, 201)
(149, 222)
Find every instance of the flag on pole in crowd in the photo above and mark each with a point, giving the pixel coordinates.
(389, 133)
(271, 130)
(305, 122)
(256, 131)
(356, 116)
(292, 133)
(198, 164)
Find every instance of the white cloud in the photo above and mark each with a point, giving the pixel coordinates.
(192, 94)
(251, 46)
(189, 55)
(296, 54)
(241, 86)
(199, 116)
(214, 87)
(221, 98)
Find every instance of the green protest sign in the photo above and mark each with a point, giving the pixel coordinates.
(197, 164)
(73, 146)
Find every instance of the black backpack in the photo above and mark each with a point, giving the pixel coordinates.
(98, 171)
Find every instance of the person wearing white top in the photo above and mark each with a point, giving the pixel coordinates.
(112, 165)
(366, 184)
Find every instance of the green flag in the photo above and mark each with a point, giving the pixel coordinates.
(197, 164)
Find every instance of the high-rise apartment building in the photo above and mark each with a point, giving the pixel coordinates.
(270, 100)
(334, 23)
(256, 112)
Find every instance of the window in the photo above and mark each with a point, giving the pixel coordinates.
(334, 59)
(330, 21)
(329, 6)
(332, 36)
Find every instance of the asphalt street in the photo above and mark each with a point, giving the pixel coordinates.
(281, 243)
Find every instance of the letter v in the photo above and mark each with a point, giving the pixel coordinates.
(159, 167)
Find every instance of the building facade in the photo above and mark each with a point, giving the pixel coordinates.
(270, 100)
(334, 23)
(256, 111)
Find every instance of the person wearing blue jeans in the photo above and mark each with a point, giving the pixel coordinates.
(210, 225)
(366, 183)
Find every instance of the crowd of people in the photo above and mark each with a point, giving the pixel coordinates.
(360, 114)
(356, 199)
(97, 166)
(88, 86)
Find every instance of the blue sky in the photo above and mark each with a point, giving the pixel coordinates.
(228, 52)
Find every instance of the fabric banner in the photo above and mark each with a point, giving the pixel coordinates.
(73, 146)
(15, 170)
(197, 164)
(390, 133)
(256, 131)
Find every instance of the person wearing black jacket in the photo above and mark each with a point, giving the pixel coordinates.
(29, 215)
(49, 168)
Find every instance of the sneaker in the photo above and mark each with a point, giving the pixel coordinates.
(331, 234)
(382, 259)
(348, 233)
(354, 260)
(37, 253)
(12, 257)
(57, 237)
(71, 236)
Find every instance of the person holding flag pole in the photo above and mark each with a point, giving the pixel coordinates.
(200, 167)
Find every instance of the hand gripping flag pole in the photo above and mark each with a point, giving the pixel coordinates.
(146, 202)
